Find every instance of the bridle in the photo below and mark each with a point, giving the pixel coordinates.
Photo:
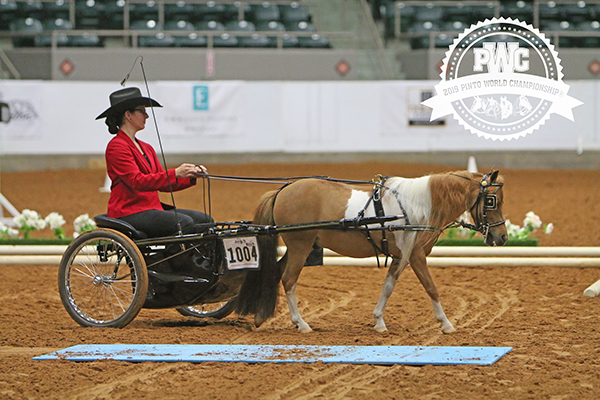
(484, 202)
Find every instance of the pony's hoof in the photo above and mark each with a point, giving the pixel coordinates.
(258, 321)
(448, 329)
(305, 329)
(381, 329)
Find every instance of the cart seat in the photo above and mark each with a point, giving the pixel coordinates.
(103, 221)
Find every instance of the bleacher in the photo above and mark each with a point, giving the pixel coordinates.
(162, 23)
(435, 24)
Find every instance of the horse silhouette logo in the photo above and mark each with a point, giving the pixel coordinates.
(501, 80)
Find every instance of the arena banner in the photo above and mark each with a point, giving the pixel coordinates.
(201, 108)
(25, 104)
(48, 117)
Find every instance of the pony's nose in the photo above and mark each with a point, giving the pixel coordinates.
(504, 238)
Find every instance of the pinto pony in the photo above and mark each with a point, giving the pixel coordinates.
(435, 201)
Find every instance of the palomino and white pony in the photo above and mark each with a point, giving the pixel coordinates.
(435, 201)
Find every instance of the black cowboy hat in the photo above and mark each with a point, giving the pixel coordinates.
(126, 99)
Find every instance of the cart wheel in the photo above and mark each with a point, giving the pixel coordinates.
(103, 279)
(210, 310)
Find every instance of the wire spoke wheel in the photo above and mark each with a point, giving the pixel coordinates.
(102, 279)
(209, 310)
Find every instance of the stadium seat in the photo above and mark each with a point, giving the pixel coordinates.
(424, 28)
(388, 11)
(549, 11)
(294, 12)
(314, 41)
(454, 26)
(255, 40)
(29, 25)
(57, 24)
(178, 11)
(521, 10)
(265, 12)
(30, 9)
(192, 39)
(220, 39)
(550, 26)
(85, 40)
(301, 26)
(210, 11)
(577, 12)
(113, 13)
(429, 13)
(143, 11)
(89, 14)
(481, 13)
(287, 40)
(157, 39)
(8, 12)
(56, 9)
(589, 41)
(237, 11)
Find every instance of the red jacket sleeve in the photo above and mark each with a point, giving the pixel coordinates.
(126, 162)
(135, 180)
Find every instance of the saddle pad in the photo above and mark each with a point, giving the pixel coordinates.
(196, 353)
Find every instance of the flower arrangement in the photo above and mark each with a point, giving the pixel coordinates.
(517, 235)
(7, 231)
(29, 221)
(531, 223)
(82, 224)
(55, 221)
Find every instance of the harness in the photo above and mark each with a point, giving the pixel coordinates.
(376, 197)
(484, 202)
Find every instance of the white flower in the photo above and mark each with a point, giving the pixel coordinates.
(512, 229)
(12, 232)
(549, 228)
(532, 221)
(29, 219)
(83, 223)
(55, 220)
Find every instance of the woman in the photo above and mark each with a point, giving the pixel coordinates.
(137, 175)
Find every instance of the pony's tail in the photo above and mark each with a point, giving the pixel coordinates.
(260, 289)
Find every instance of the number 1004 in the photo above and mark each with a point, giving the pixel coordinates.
(242, 254)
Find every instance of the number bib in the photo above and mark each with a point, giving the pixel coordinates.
(241, 252)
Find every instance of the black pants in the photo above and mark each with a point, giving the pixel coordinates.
(158, 223)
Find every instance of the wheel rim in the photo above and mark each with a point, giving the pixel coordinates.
(101, 281)
(207, 309)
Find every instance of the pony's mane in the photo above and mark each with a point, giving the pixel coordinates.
(451, 194)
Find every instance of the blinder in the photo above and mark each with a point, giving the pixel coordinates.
(489, 202)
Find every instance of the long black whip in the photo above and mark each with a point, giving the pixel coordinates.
(162, 153)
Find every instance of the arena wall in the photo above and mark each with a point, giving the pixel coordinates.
(53, 124)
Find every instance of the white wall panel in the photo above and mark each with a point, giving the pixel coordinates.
(358, 116)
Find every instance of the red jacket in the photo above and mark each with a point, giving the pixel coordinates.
(135, 183)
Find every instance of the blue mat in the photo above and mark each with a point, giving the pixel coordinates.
(410, 355)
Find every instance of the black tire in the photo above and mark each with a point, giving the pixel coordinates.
(102, 279)
(210, 310)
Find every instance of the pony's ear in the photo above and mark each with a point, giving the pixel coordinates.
(494, 176)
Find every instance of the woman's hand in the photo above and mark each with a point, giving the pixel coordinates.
(190, 171)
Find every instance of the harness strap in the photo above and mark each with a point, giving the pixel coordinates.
(376, 197)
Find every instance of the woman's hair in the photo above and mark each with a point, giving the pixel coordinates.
(114, 120)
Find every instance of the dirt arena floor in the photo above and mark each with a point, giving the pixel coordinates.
(540, 312)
